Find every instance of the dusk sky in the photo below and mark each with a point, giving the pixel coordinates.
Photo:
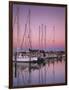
(46, 15)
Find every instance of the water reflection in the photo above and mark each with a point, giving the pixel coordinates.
(50, 71)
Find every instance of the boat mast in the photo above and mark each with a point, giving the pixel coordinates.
(42, 37)
(45, 37)
(53, 38)
(39, 37)
(17, 28)
(30, 46)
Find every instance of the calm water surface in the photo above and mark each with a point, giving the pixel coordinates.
(50, 72)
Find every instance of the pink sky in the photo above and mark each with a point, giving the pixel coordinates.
(46, 15)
